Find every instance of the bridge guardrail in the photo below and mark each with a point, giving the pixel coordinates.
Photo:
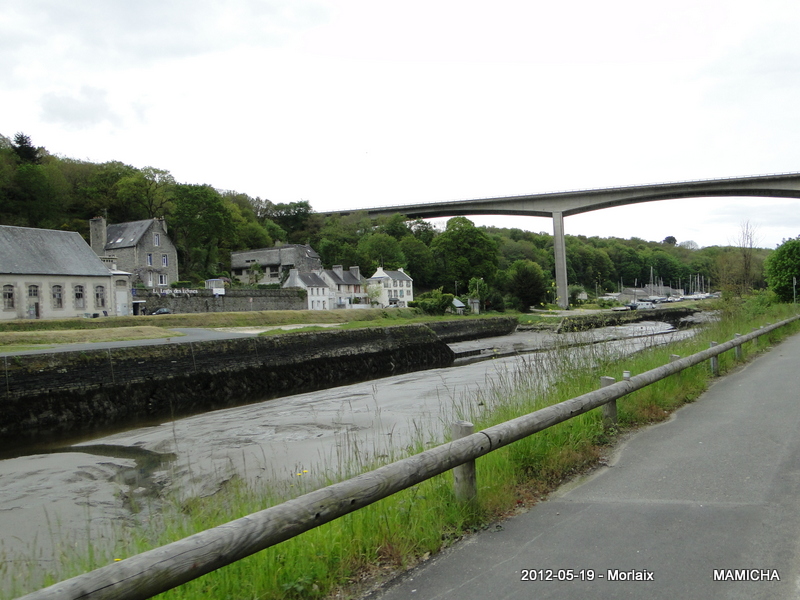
(158, 570)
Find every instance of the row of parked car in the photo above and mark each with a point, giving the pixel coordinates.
(652, 302)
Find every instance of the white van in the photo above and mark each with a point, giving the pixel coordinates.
(645, 306)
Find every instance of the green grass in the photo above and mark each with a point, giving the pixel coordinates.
(400, 530)
(236, 319)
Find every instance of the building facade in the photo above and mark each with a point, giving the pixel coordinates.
(391, 288)
(272, 265)
(141, 248)
(318, 295)
(47, 274)
(347, 286)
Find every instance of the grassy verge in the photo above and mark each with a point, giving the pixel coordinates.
(16, 339)
(234, 319)
(405, 528)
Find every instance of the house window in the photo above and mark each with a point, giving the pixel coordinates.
(156, 239)
(8, 296)
(149, 260)
(401, 293)
(386, 283)
(164, 260)
(58, 296)
(408, 284)
(99, 296)
(79, 300)
(273, 272)
(33, 291)
(162, 280)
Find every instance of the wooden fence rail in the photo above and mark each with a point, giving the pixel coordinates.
(155, 571)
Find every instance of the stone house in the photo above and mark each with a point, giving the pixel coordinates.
(272, 265)
(347, 286)
(391, 288)
(141, 248)
(318, 295)
(48, 274)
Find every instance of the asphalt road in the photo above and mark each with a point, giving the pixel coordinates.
(713, 493)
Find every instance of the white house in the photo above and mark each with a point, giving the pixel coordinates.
(391, 288)
(319, 295)
(347, 286)
(48, 274)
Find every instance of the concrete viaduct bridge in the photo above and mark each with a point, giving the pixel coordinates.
(558, 205)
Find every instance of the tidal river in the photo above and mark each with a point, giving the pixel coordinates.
(56, 496)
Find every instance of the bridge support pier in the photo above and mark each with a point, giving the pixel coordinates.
(559, 246)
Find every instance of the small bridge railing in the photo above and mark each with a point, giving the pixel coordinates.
(158, 570)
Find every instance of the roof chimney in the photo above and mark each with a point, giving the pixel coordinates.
(98, 235)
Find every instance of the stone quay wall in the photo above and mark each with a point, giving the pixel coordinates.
(204, 301)
(84, 390)
(460, 330)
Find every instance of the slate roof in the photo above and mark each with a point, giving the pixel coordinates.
(125, 235)
(398, 275)
(270, 256)
(347, 277)
(312, 280)
(28, 251)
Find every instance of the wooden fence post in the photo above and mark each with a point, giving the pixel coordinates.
(714, 362)
(609, 408)
(626, 375)
(738, 350)
(465, 482)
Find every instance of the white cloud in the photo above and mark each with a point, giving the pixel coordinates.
(357, 103)
(87, 108)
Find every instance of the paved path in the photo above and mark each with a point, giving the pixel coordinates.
(715, 489)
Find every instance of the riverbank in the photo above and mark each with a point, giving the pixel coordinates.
(500, 385)
(74, 391)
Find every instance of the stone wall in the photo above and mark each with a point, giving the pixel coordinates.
(84, 390)
(459, 330)
(672, 314)
(233, 301)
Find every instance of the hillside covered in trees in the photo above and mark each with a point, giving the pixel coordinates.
(45, 190)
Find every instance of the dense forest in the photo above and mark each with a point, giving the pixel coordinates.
(45, 190)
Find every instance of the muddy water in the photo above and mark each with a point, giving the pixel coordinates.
(55, 496)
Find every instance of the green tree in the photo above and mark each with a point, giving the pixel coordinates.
(295, 218)
(462, 252)
(150, 190)
(26, 152)
(382, 250)
(783, 267)
(394, 226)
(419, 261)
(199, 223)
(527, 284)
(99, 194)
(423, 231)
(435, 302)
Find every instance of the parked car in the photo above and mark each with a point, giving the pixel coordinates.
(161, 311)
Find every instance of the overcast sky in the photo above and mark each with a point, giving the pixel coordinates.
(362, 103)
